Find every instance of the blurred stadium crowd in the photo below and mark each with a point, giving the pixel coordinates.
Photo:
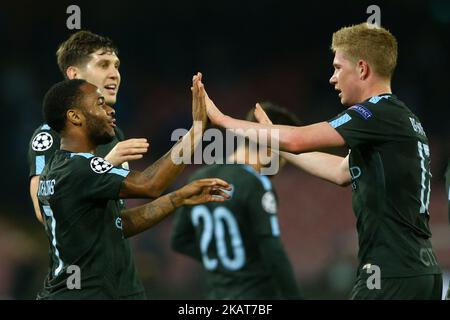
(248, 51)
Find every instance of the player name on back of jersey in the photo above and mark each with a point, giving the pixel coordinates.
(46, 188)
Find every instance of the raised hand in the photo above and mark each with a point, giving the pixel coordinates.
(127, 150)
(214, 114)
(261, 115)
(203, 108)
(198, 101)
(201, 191)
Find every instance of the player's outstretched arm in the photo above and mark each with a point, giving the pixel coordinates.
(326, 166)
(141, 218)
(291, 139)
(157, 177)
(127, 150)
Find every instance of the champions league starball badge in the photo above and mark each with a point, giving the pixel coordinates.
(100, 165)
(42, 142)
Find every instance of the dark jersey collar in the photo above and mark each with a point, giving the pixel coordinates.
(378, 97)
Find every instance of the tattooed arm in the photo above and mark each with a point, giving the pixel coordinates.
(141, 218)
(157, 177)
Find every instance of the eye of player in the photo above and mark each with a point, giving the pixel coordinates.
(104, 64)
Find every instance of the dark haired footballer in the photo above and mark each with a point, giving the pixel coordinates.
(78, 195)
(94, 58)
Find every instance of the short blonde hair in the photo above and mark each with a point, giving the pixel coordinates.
(376, 45)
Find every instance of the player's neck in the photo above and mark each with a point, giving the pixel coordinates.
(376, 89)
(76, 142)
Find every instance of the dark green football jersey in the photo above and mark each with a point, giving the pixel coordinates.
(390, 167)
(78, 196)
(226, 237)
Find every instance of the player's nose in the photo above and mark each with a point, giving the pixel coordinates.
(333, 80)
(114, 73)
(110, 111)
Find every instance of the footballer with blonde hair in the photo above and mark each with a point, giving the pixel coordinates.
(388, 165)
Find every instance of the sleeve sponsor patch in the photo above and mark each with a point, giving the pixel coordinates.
(42, 142)
(100, 165)
(340, 121)
(362, 111)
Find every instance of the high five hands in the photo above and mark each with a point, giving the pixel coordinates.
(203, 103)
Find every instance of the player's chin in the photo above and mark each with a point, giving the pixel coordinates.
(111, 133)
(111, 100)
(104, 138)
(109, 137)
(345, 102)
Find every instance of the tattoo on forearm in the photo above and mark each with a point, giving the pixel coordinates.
(141, 218)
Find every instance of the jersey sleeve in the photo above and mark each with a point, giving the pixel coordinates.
(42, 146)
(278, 265)
(263, 207)
(100, 179)
(362, 123)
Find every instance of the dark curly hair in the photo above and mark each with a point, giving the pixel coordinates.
(59, 98)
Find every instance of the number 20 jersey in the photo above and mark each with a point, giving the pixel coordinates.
(228, 235)
(390, 166)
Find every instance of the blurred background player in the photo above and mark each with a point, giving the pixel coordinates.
(88, 56)
(388, 165)
(238, 241)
